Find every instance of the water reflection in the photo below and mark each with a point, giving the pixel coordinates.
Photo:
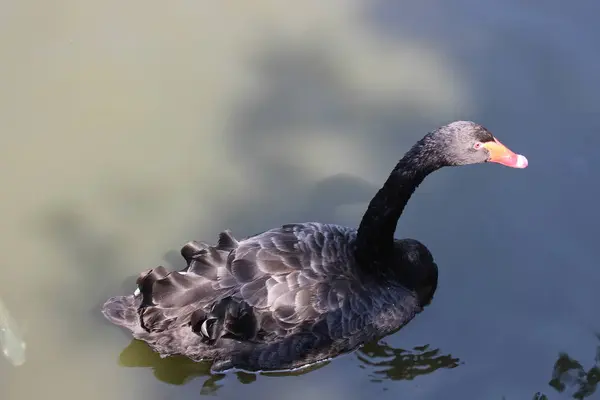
(568, 372)
(180, 370)
(176, 370)
(382, 361)
(12, 343)
(379, 359)
(389, 363)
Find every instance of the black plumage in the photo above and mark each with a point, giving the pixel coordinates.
(303, 292)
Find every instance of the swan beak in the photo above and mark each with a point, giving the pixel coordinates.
(501, 154)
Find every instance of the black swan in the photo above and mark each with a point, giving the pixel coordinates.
(304, 292)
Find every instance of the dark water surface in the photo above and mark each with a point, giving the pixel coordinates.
(131, 128)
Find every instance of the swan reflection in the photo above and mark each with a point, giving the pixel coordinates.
(568, 372)
(389, 363)
(382, 361)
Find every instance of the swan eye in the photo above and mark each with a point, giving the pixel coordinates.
(477, 145)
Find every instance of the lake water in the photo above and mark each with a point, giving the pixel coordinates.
(129, 128)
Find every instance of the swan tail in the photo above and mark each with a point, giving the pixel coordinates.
(122, 311)
(171, 310)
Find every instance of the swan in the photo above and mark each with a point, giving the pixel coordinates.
(302, 293)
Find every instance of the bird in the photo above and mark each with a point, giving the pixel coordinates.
(302, 293)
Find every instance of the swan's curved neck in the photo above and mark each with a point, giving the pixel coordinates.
(375, 239)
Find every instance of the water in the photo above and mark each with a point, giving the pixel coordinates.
(130, 128)
(12, 341)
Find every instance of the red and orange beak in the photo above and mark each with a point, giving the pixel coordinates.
(501, 154)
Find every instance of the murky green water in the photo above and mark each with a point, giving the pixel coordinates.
(129, 128)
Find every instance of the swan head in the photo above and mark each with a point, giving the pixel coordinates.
(466, 142)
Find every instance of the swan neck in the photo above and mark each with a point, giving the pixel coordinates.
(375, 238)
